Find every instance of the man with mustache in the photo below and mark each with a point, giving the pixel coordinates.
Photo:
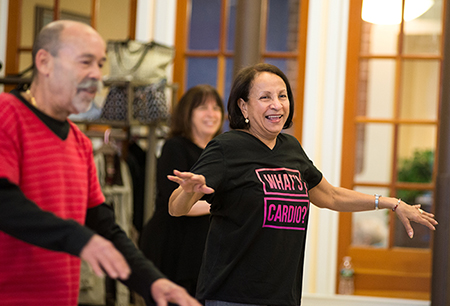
(52, 208)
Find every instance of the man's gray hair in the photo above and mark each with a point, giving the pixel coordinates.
(49, 40)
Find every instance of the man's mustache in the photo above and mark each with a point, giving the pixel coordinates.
(90, 84)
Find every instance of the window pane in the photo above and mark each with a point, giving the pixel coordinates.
(228, 79)
(376, 88)
(201, 71)
(204, 30)
(423, 34)
(422, 235)
(289, 68)
(374, 153)
(416, 149)
(379, 38)
(282, 25)
(279, 62)
(228, 83)
(420, 89)
(231, 25)
(371, 228)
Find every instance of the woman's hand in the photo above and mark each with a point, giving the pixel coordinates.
(192, 188)
(407, 213)
(190, 182)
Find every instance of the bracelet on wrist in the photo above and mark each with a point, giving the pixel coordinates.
(377, 200)
(395, 207)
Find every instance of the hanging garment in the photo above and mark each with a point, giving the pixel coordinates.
(116, 183)
(136, 160)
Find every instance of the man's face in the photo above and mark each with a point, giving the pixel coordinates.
(77, 69)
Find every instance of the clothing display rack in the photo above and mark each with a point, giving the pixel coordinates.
(151, 138)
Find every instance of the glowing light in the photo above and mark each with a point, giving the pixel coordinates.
(390, 11)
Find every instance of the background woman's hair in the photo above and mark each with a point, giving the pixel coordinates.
(181, 123)
(241, 89)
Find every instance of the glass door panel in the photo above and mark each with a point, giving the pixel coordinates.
(374, 153)
(204, 28)
(376, 88)
(201, 70)
(371, 228)
(420, 89)
(282, 25)
(422, 35)
(414, 144)
(392, 105)
(379, 39)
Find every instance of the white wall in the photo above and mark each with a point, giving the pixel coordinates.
(3, 30)
(322, 126)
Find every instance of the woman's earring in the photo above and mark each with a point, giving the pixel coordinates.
(246, 120)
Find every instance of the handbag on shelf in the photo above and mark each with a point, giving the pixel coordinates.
(149, 103)
(138, 61)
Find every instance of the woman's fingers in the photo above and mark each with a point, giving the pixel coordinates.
(190, 182)
(414, 213)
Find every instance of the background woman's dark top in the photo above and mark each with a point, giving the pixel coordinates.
(175, 244)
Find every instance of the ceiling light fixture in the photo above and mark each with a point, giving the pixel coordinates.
(390, 11)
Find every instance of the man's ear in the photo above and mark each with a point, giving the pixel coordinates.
(43, 62)
(243, 106)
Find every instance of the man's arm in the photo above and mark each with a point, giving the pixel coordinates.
(24, 220)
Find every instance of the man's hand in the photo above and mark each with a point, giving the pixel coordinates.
(164, 291)
(101, 255)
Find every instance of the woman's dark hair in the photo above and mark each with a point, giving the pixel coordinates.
(181, 123)
(241, 89)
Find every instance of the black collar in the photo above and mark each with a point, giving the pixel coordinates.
(60, 128)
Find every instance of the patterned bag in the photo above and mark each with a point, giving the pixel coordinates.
(149, 104)
(116, 104)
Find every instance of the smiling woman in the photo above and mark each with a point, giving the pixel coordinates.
(260, 184)
(267, 107)
(176, 245)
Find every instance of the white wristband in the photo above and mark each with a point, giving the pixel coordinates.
(377, 200)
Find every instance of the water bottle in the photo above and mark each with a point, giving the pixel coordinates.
(346, 274)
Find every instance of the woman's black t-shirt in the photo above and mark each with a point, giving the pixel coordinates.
(256, 242)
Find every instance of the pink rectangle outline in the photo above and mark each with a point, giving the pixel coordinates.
(282, 227)
(279, 193)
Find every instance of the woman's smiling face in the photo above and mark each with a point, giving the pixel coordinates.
(267, 108)
(206, 119)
